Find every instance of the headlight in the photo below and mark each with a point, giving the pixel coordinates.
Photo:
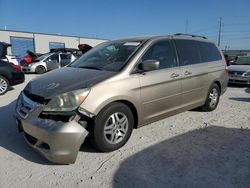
(67, 101)
(247, 74)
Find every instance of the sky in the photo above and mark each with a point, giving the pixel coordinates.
(113, 19)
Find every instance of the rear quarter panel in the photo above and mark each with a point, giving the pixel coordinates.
(218, 73)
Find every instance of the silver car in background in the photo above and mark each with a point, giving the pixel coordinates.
(239, 71)
(49, 61)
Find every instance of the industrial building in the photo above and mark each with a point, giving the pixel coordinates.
(41, 42)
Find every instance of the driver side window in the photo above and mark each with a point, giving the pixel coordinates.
(163, 52)
(53, 57)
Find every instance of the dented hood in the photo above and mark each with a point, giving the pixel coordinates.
(64, 80)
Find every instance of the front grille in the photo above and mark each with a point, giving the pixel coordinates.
(239, 81)
(36, 98)
(24, 110)
(25, 106)
(236, 72)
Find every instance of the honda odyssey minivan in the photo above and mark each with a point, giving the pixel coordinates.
(116, 87)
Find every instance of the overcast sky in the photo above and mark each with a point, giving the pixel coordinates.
(111, 19)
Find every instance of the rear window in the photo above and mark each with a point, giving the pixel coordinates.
(188, 52)
(209, 52)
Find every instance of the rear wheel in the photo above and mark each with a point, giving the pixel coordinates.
(4, 85)
(40, 70)
(212, 98)
(113, 127)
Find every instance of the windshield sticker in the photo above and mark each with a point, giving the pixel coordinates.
(131, 43)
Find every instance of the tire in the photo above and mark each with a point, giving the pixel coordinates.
(40, 69)
(213, 98)
(113, 127)
(4, 85)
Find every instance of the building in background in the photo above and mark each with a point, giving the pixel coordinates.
(42, 42)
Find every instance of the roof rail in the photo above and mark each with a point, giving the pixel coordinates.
(178, 34)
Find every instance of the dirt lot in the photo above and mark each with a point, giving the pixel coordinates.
(192, 149)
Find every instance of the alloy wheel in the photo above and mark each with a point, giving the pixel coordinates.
(213, 97)
(115, 128)
(3, 85)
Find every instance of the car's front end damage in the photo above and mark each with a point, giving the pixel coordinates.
(49, 114)
(57, 137)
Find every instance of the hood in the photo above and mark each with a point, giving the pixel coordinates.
(240, 68)
(31, 54)
(3, 49)
(64, 80)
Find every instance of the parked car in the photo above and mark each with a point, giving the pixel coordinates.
(12, 59)
(10, 75)
(116, 87)
(76, 52)
(29, 58)
(5, 57)
(49, 61)
(239, 70)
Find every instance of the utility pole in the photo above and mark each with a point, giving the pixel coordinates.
(219, 37)
(186, 27)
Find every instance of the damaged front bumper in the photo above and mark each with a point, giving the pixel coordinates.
(58, 141)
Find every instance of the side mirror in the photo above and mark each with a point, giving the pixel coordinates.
(149, 65)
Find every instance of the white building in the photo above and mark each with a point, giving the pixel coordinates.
(42, 42)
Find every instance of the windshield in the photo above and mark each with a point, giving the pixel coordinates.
(43, 57)
(242, 61)
(109, 56)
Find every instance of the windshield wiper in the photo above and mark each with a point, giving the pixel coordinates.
(87, 67)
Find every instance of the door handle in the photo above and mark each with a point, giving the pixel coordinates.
(174, 75)
(187, 73)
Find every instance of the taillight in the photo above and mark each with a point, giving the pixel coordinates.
(226, 67)
(16, 67)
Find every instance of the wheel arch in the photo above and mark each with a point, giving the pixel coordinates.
(218, 83)
(126, 102)
(42, 67)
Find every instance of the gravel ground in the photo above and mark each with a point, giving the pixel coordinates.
(192, 149)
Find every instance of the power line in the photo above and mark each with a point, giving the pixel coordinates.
(236, 31)
(211, 28)
(237, 38)
(236, 24)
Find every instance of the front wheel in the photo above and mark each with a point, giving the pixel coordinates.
(40, 70)
(113, 127)
(212, 98)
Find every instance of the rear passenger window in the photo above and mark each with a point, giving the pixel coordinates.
(209, 52)
(188, 52)
(65, 56)
(163, 52)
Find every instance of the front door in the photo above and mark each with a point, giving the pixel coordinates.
(160, 89)
(52, 62)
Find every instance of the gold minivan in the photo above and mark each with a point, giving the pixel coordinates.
(116, 87)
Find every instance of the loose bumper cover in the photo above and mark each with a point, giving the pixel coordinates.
(57, 141)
